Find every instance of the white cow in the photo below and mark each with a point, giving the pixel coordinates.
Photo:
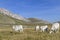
(18, 28)
(55, 28)
(43, 28)
(37, 27)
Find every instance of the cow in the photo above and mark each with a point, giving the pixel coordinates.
(37, 28)
(18, 28)
(54, 28)
(44, 28)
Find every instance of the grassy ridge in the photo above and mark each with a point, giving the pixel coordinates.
(4, 19)
(6, 33)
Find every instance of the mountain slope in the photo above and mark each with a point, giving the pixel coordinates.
(6, 20)
(38, 21)
(6, 17)
(8, 13)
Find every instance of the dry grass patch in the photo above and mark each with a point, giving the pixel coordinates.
(28, 34)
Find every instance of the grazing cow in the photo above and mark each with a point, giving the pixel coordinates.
(55, 28)
(18, 28)
(37, 27)
(44, 28)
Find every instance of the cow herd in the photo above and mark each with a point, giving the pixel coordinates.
(54, 28)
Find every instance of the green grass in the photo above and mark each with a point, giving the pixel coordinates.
(6, 33)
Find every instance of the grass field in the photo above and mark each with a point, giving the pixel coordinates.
(6, 33)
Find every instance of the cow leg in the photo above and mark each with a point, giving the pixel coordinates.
(57, 30)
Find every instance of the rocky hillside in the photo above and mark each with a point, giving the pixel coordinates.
(8, 13)
(7, 17)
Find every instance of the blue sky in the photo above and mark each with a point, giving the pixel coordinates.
(42, 9)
